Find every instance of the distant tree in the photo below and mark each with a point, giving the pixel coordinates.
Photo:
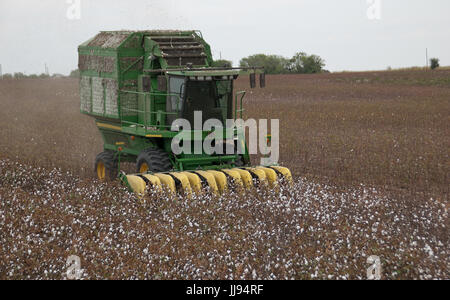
(19, 75)
(222, 63)
(43, 76)
(303, 63)
(434, 63)
(7, 76)
(75, 73)
(33, 76)
(273, 64)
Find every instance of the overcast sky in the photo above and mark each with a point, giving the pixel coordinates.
(348, 34)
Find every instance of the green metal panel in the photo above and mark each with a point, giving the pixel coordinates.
(130, 144)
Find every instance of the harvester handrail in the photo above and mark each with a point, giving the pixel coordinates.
(149, 93)
(261, 69)
(241, 110)
(146, 112)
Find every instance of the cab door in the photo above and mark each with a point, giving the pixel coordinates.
(175, 96)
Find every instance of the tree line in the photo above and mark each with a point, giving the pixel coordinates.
(300, 63)
(20, 75)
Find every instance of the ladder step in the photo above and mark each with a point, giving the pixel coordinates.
(181, 48)
(173, 38)
(179, 44)
(185, 56)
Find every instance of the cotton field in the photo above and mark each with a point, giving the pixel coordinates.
(307, 231)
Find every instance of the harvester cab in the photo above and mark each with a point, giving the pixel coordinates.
(142, 88)
(209, 92)
(199, 91)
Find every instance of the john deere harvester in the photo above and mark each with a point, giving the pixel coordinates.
(136, 84)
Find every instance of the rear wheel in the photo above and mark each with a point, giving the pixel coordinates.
(153, 160)
(106, 166)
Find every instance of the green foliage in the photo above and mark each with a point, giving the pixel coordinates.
(222, 63)
(19, 75)
(273, 64)
(75, 73)
(301, 63)
(434, 63)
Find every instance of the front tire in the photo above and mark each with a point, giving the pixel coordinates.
(106, 166)
(153, 160)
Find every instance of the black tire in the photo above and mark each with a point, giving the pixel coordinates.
(156, 160)
(106, 166)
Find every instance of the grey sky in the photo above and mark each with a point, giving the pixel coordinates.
(36, 32)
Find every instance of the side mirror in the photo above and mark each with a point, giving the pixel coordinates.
(162, 83)
(262, 80)
(252, 80)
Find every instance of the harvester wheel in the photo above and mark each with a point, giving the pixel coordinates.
(106, 166)
(153, 160)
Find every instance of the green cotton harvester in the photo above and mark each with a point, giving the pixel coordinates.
(136, 84)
